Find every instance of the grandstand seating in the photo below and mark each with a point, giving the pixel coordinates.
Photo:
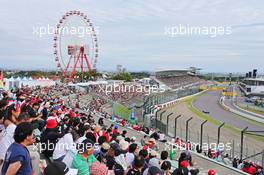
(175, 82)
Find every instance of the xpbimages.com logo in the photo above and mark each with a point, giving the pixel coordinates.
(130, 88)
(79, 31)
(188, 30)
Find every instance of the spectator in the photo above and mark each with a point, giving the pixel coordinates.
(183, 157)
(101, 156)
(97, 149)
(152, 144)
(235, 163)
(86, 128)
(106, 133)
(164, 156)
(211, 172)
(111, 154)
(152, 162)
(181, 171)
(84, 158)
(118, 170)
(124, 133)
(121, 159)
(101, 121)
(137, 167)
(144, 154)
(131, 154)
(58, 168)
(50, 137)
(17, 159)
(173, 153)
(64, 144)
(153, 170)
(11, 113)
(166, 167)
(153, 154)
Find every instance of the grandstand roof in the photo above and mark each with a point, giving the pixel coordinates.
(172, 70)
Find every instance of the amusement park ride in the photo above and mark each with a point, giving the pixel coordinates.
(75, 45)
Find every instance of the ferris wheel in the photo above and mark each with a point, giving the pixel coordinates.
(75, 45)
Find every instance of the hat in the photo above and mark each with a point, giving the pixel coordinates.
(105, 146)
(153, 153)
(115, 146)
(154, 162)
(123, 145)
(56, 108)
(119, 138)
(153, 170)
(98, 168)
(51, 123)
(56, 167)
(184, 164)
(211, 172)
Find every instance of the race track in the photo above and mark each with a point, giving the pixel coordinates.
(209, 102)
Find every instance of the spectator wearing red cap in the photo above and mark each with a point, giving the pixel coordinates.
(184, 164)
(106, 133)
(211, 172)
(252, 169)
(49, 137)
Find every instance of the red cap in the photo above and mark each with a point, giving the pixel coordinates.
(51, 123)
(145, 147)
(211, 172)
(184, 164)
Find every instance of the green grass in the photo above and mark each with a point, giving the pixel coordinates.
(189, 103)
(251, 109)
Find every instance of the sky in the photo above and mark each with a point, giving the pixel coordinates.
(138, 33)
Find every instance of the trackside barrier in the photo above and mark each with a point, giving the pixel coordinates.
(255, 114)
(222, 103)
(174, 102)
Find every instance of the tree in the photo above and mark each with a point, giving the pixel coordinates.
(122, 76)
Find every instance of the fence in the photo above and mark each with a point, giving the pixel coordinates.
(182, 127)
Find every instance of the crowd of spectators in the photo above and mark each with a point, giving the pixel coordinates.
(41, 134)
(175, 82)
(121, 93)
